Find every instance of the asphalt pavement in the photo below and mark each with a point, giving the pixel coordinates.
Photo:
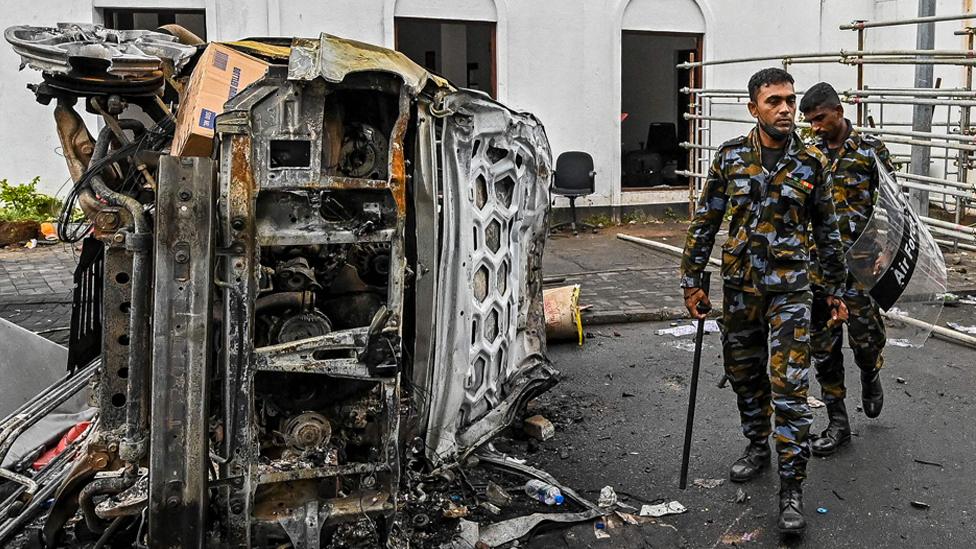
(619, 411)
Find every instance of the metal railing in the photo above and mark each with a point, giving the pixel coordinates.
(953, 144)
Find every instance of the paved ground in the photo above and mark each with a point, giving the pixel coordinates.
(621, 281)
(620, 414)
(35, 288)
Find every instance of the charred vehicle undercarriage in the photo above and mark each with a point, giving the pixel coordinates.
(347, 293)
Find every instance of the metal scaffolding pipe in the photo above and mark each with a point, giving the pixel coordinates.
(842, 54)
(911, 92)
(907, 61)
(912, 101)
(938, 180)
(687, 145)
(686, 173)
(729, 91)
(954, 234)
(965, 229)
(952, 146)
(937, 190)
(951, 244)
(941, 92)
(858, 25)
(862, 129)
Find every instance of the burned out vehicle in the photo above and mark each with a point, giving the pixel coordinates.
(345, 294)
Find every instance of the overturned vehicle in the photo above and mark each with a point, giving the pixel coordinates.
(278, 336)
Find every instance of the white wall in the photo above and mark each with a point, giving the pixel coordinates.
(560, 59)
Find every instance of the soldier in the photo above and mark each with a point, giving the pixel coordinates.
(852, 167)
(773, 187)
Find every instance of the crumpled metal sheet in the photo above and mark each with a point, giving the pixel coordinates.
(334, 58)
(490, 352)
(128, 53)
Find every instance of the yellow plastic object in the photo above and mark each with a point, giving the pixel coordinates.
(562, 311)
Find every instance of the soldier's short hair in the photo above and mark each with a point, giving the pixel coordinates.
(767, 77)
(819, 95)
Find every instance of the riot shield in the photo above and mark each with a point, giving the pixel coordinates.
(898, 261)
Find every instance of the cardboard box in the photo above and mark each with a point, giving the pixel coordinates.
(220, 73)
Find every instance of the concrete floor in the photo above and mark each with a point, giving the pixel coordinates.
(633, 443)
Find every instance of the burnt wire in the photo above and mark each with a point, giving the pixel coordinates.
(152, 139)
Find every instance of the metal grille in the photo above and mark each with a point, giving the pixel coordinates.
(86, 306)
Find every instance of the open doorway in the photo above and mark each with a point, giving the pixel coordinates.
(652, 108)
(461, 51)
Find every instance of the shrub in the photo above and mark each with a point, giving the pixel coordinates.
(24, 203)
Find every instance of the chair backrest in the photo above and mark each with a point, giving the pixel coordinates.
(574, 174)
(661, 138)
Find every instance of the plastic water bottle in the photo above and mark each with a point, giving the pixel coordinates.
(546, 493)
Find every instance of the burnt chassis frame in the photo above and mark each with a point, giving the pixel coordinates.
(475, 165)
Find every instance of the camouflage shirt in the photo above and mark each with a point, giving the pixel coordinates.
(771, 214)
(855, 181)
(854, 178)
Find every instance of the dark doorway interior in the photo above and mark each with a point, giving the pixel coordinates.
(461, 51)
(194, 21)
(652, 106)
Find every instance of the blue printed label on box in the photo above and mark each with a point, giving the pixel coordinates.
(207, 118)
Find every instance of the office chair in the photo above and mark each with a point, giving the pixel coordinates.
(574, 178)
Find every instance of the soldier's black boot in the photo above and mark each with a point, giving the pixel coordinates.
(752, 462)
(872, 396)
(791, 519)
(837, 433)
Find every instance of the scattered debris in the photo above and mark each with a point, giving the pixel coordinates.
(600, 529)
(467, 536)
(840, 497)
(629, 518)
(814, 402)
(490, 507)
(608, 498)
(900, 380)
(822, 510)
(662, 509)
(683, 345)
(711, 327)
(960, 328)
(950, 299)
(899, 343)
(497, 495)
(736, 539)
(968, 301)
(708, 483)
(500, 533)
(539, 428)
(544, 492)
(920, 505)
(626, 394)
(455, 511)
(926, 462)
(740, 496)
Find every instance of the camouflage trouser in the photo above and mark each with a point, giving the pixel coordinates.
(773, 330)
(865, 333)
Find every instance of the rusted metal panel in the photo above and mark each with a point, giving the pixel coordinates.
(334, 58)
(181, 353)
(236, 213)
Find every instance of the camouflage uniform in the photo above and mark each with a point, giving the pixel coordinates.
(855, 184)
(767, 296)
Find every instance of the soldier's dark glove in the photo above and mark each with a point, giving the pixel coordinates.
(697, 302)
